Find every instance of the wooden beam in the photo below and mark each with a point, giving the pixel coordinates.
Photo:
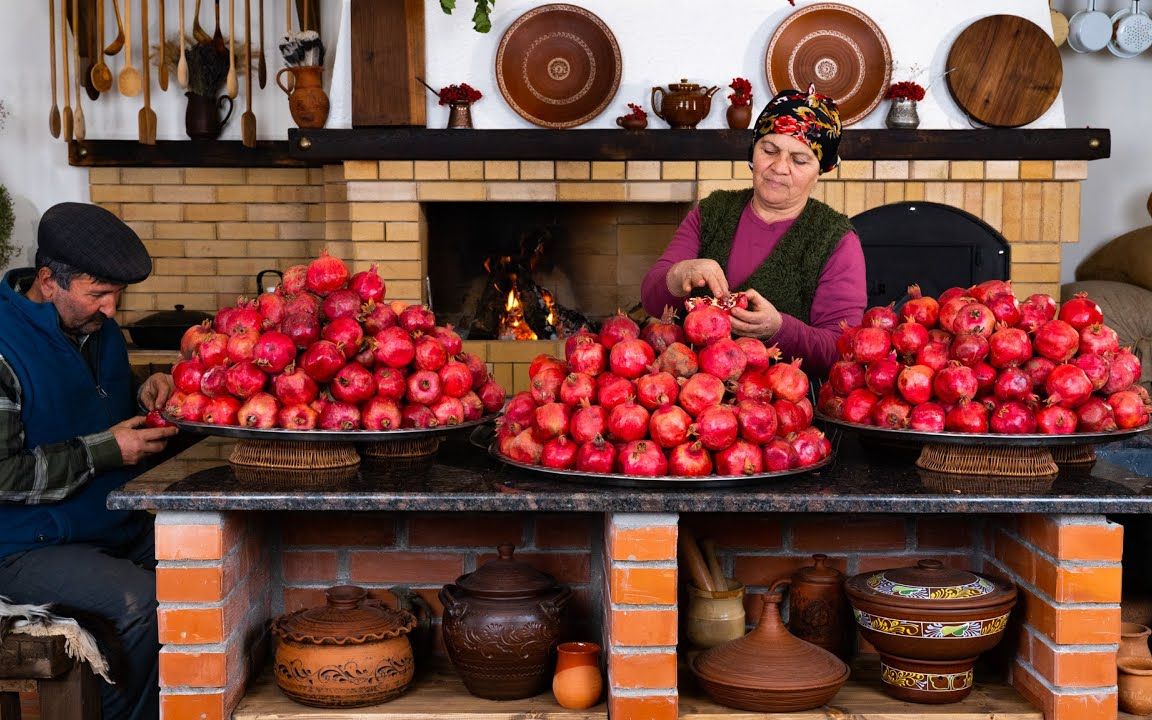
(182, 153)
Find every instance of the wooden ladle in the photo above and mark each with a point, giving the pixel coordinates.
(54, 113)
(231, 86)
(129, 80)
(147, 116)
(248, 119)
(198, 33)
(79, 129)
(118, 41)
(101, 73)
(182, 63)
(67, 71)
(161, 65)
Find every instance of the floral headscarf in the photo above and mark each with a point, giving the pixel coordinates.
(809, 117)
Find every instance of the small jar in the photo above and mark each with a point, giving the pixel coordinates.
(715, 617)
(577, 683)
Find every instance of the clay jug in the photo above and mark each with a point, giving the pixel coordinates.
(818, 609)
(1134, 685)
(202, 116)
(683, 105)
(1133, 641)
(714, 617)
(577, 683)
(306, 98)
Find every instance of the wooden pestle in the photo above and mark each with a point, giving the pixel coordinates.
(708, 545)
(694, 562)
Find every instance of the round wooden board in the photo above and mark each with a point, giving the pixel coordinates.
(1004, 71)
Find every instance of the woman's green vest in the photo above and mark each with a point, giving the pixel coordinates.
(789, 276)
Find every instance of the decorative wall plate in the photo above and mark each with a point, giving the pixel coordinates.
(838, 49)
(558, 66)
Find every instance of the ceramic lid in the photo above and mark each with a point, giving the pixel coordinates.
(345, 620)
(506, 577)
(177, 316)
(683, 86)
(819, 572)
(930, 584)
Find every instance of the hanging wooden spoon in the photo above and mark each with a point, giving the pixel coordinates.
(118, 41)
(79, 129)
(54, 113)
(182, 63)
(248, 119)
(261, 68)
(67, 72)
(101, 73)
(147, 116)
(217, 37)
(232, 88)
(129, 80)
(161, 65)
(198, 33)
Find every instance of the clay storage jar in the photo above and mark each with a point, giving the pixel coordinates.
(500, 624)
(769, 669)
(929, 623)
(346, 654)
(818, 609)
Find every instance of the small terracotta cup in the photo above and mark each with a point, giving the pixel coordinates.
(577, 683)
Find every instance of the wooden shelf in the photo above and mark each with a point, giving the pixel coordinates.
(182, 153)
(417, 143)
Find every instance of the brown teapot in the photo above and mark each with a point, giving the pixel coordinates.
(683, 105)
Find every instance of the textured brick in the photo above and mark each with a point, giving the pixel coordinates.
(190, 626)
(309, 566)
(456, 530)
(1071, 625)
(646, 671)
(564, 531)
(1095, 542)
(189, 584)
(750, 532)
(328, 529)
(194, 707)
(650, 543)
(643, 586)
(179, 669)
(1073, 669)
(387, 567)
(659, 707)
(860, 533)
(642, 628)
(189, 542)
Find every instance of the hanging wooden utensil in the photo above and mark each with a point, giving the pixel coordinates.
(118, 41)
(67, 72)
(161, 66)
(129, 80)
(79, 129)
(182, 63)
(217, 37)
(147, 116)
(87, 50)
(101, 73)
(199, 34)
(1059, 25)
(248, 119)
(261, 67)
(287, 17)
(54, 113)
(231, 86)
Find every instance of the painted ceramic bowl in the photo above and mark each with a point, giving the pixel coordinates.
(926, 681)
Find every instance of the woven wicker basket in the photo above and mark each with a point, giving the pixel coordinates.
(293, 454)
(1074, 454)
(406, 448)
(996, 460)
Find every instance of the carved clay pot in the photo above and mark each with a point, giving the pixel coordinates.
(500, 623)
(307, 100)
(1133, 641)
(818, 609)
(346, 654)
(577, 683)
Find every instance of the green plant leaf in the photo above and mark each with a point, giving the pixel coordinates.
(447, 6)
(481, 19)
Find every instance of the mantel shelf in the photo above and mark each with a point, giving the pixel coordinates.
(182, 153)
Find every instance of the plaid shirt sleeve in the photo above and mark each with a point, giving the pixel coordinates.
(47, 473)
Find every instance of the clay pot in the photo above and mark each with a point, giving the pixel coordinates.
(714, 617)
(577, 683)
(632, 123)
(1133, 641)
(683, 105)
(739, 117)
(818, 609)
(500, 623)
(202, 116)
(769, 669)
(1135, 685)
(346, 654)
(926, 681)
(307, 100)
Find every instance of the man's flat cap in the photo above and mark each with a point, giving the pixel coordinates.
(94, 241)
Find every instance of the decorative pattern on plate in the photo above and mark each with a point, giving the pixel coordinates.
(882, 585)
(934, 630)
(925, 682)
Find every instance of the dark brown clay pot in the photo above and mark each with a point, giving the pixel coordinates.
(500, 624)
(202, 116)
(926, 681)
(929, 611)
(739, 117)
(769, 669)
(632, 123)
(307, 100)
(347, 654)
(818, 609)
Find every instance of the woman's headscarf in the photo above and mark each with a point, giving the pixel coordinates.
(809, 117)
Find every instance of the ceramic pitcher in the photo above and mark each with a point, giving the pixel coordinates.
(306, 98)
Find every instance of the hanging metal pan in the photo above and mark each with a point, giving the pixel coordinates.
(1089, 30)
(1131, 32)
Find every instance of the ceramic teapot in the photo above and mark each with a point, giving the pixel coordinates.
(683, 105)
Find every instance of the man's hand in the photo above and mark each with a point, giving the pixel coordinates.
(760, 319)
(155, 391)
(138, 442)
(687, 275)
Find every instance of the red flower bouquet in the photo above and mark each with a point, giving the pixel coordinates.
(741, 92)
(905, 90)
(462, 93)
(636, 112)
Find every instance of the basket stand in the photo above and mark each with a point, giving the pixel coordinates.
(996, 460)
(1074, 454)
(288, 454)
(417, 447)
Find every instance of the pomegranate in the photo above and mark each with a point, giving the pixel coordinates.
(416, 415)
(806, 409)
(259, 411)
(587, 356)
(909, 337)
(845, 376)
(943, 337)
(303, 304)
(611, 390)
(448, 337)
(244, 318)
(1123, 371)
(1038, 369)
(642, 457)
(701, 391)
(1067, 385)
(627, 422)
(394, 347)
(985, 378)
(417, 318)
(657, 389)
(596, 456)
(325, 274)
(950, 309)
(689, 459)
(788, 381)
(240, 346)
(341, 303)
(880, 316)
(631, 358)
(858, 406)
(1056, 340)
(297, 417)
(1095, 415)
(919, 309)
(303, 329)
(192, 338)
(756, 353)
(1056, 420)
(726, 303)
(811, 447)
(244, 379)
(880, 377)
(1095, 367)
(1080, 312)
(723, 358)
(1099, 339)
(294, 387)
(989, 289)
(392, 383)
(662, 332)
(321, 360)
(455, 379)
(368, 285)
(1128, 409)
(524, 448)
(577, 389)
(740, 458)
(831, 404)
(430, 354)
(423, 387)
(679, 360)
(717, 427)
(213, 350)
(845, 339)
(477, 367)
(754, 385)
(581, 335)
(1035, 311)
(492, 396)
(473, 406)
(974, 318)
(545, 387)
(273, 352)
(381, 413)
(1009, 346)
(377, 317)
(890, 411)
(669, 426)
(757, 421)
(871, 343)
(1012, 417)
(552, 420)
(521, 409)
(221, 410)
(927, 417)
(353, 384)
(559, 453)
(186, 375)
(955, 383)
(617, 328)
(914, 383)
(779, 455)
(448, 411)
(294, 280)
(588, 422)
(156, 419)
(707, 324)
(212, 381)
(1013, 384)
(967, 417)
(1006, 308)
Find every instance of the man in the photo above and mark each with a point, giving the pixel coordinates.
(70, 433)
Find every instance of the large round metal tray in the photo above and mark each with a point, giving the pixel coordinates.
(342, 436)
(952, 438)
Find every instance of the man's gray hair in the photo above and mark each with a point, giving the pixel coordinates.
(63, 273)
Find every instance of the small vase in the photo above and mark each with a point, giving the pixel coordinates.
(902, 115)
(739, 116)
(577, 683)
(1133, 641)
(307, 100)
(460, 115)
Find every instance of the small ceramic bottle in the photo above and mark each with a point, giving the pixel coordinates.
(577, 683)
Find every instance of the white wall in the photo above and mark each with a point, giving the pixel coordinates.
(661, 41)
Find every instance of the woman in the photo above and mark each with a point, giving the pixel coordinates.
(798, 260)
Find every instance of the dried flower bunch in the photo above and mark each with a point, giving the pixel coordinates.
(905, 90)
(462, 93)
(207, 69)
(636, 112)
(741, 92)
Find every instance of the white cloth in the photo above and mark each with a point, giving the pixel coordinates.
(38, 621)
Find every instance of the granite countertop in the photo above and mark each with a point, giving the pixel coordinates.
(463, 478)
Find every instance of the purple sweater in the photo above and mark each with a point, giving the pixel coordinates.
(841, 294)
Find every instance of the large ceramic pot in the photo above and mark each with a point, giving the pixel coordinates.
(817, 607)
(348, 653)
(500, 624)
(930, 613)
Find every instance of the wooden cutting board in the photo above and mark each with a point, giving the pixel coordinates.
(1004, 71)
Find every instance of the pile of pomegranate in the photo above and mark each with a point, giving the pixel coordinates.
(325, 351)
(978, 360)
(664, 400)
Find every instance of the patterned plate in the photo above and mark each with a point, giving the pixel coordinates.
(837, 48)
(558, 66)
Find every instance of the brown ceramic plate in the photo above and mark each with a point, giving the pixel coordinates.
(838, 49)
(558, 66)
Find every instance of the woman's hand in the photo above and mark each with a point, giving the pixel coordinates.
(687, 275)
(760, 319)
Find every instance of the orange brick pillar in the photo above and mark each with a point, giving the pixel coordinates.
(1067, 568)
(640, 615)
(213, 587)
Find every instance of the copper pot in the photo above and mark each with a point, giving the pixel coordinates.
(348, 653)
(500, 624)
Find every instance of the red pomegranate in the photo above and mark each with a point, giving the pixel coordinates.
(880, 377)
(1099, 339)
(559, 453)
(740, 458)
(416, 318)
(890, 411)
(294, 387)
(1056, 420)
(779, 455)
(657, 389)
(294, 280)
(1095, 415)
(423, 387)
(914, 383)
(381, 413)
(1013, 384)
(662, 332)
(186, 375)
(303, 329)
(689, 459)
(1095, 367)
(679, 360)
(717, 427)
(631, 358)
(756, 353)
(723, 358)
(880, 316)
(368, 285)
(967, 417)
(377, 317)
(325, 274)
(394, 347)
(858, 406)
(617, 328)
(707, 324)
(1056, 340)
(757, 421)
(1009, 346)
(244, 379)
(927, 417)
(611, 390)
(297, 417)
(321, 360)
(701, 391)
(870, 344)
(545, 387)
(1006, 308)
(587, 356)
(669, 426)
(353, 384)
(974, 318)
(1080, 312)
(577, 389)
(642, 457)
(788, 381)
(846, 375)
(221, 410)
(909, 337)
(1068, 386)
(955, 383)
(392, 383)
(627, 422)
(596, 456)
(1012, 417)
(920, 309)
(588, 422)
(1123, 371)
(1129, 409)
(456, 379)
(259, 411)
